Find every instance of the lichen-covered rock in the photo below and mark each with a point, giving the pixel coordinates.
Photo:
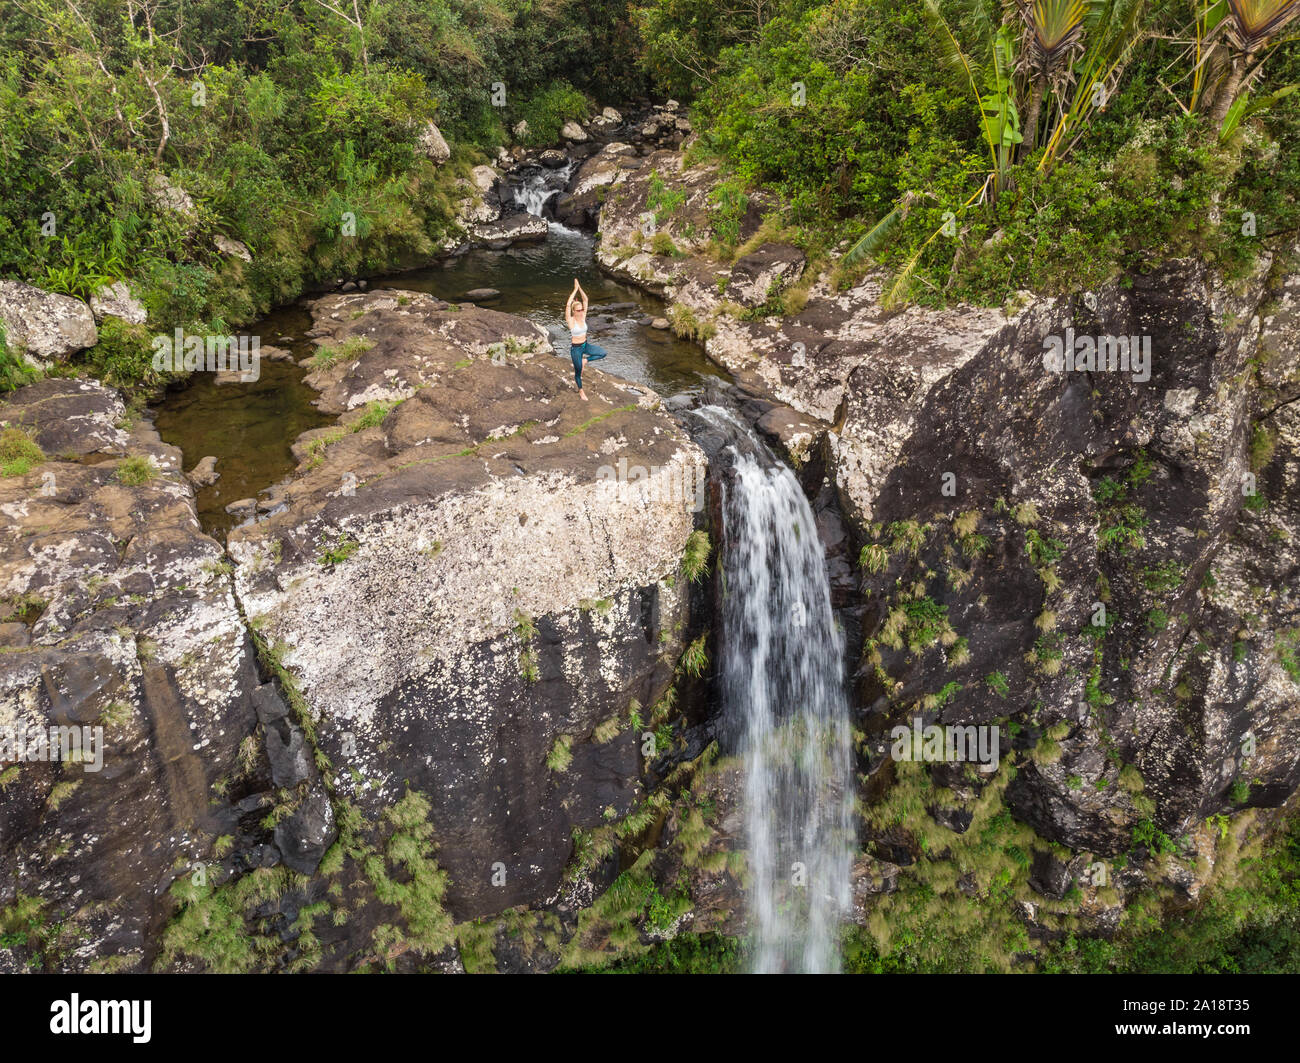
(169, 197)
(503, 600)
(129, 625)
(432, 145)
(44, 327)
(513, 229)
(232, 248)
(67, 417)
(116, 300)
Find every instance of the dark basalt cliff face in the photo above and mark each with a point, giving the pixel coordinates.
(1103, 551)
(1102, 564)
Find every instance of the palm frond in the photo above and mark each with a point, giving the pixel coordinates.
(877, 236)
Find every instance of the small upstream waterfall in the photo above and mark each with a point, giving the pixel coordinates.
(785, 706)
(536, 189)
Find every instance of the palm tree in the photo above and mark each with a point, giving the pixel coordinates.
(1053, 35)
(1251, 28)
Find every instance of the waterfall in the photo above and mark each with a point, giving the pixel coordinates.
(536, 189)
(785, 707)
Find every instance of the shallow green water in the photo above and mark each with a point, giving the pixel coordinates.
(249, 428)
(535, 282)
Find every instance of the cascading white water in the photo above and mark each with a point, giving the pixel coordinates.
(533, 193)
(784, 700)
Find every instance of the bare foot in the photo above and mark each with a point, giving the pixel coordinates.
(583, 394)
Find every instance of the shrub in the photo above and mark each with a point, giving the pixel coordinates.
(136, 471)
(18, 452)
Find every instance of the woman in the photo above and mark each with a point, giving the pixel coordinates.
(575, 316)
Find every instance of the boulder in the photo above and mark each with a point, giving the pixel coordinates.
(44, 326)
(432, 145)
(170, 198)
(232, 248)
(484, 178)
(479, 295)
(116, 300)
(204, 474)
(509, 230)
(762, 274)
(488, 654)
(573, 131)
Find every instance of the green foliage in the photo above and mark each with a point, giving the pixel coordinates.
(343, 547)
(18, 452)
(695, 558)
(329, 355)
(1148, 836)
(1043, 550)
(561, 754)
(695, 658)
(547, 111)
(662, 200)
(14, 369)
(727, 205)
(997, 683)
(1288, 653)
(891, 138)
(686, 954)
(136, 471)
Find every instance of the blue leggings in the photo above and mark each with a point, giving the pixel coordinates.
(576, 352)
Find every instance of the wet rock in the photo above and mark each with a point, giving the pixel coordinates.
(552, 158)
(304, 836)
(244, 507)
(289, 753)
(479, 295)
(659, 323)
(45, 327)
(204, 473)
(1049, 876)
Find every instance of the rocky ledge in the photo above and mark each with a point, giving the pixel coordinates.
(461, 589)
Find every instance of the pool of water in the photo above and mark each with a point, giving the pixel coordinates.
(249, 428)
(535, 282)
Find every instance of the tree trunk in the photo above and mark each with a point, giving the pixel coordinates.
(1035, 108)
(1228, 90)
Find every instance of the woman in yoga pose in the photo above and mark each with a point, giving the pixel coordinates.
(575, 316)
